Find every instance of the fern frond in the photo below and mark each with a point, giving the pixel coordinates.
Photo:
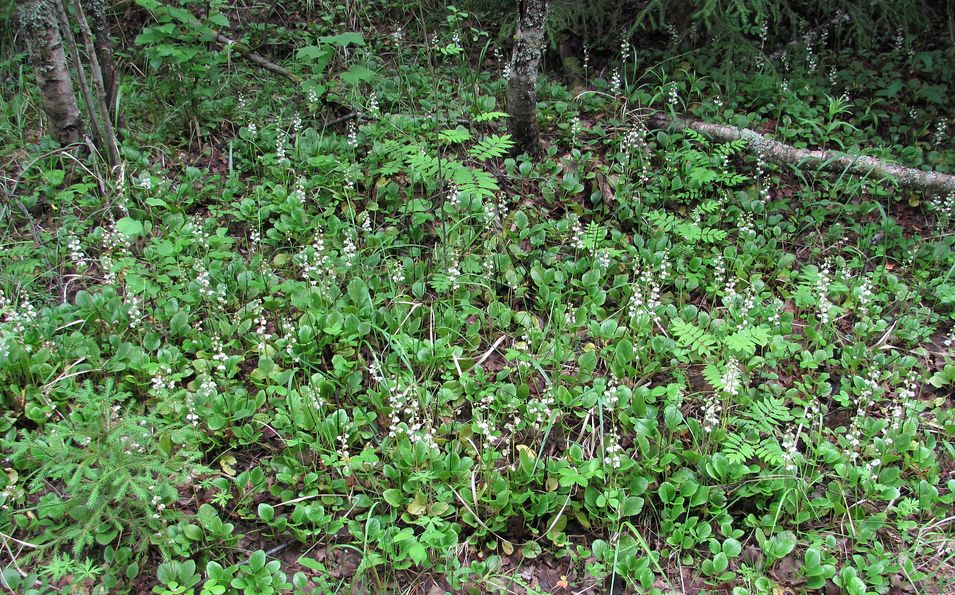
(690, 336)
(737, 448)
(491, 146)
(663, 220)
(593, 235)
(455, 136)
(713, 374)
(770, 452)
(766, 415)
(744, 341)
(707, 207)
(696, 137)
(475, 182)
(489, 116)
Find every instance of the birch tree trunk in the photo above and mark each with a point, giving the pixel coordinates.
(522, 84)
(39, 26)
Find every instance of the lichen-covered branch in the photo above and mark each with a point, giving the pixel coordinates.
(38, 23)
(522, 84)
(833, 161)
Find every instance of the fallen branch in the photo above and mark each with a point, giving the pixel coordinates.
(832, 161)
(251, 56)
(336, 121)
(240, 48)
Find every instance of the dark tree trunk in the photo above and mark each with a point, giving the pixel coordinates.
(38, 22)
(104, 49)
(67, 32)
(109, 137)
(522, 85)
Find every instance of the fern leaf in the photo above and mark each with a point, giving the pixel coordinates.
(455, 136)
(713, 374)
(593, 235)
(690, 336)
(695, 136)
(663, 220)
(741, 343)
(737, 449)
(475, 182)
(770, 452)
(489, 116)
(492, 146)
(707, 207)
(768, 414)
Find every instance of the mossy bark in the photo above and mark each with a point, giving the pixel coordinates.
(38, 24)
(522, 85)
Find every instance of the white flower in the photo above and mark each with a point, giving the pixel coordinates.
(822, 291)
(790, 452)
(944, 208)
(612, 451)
(496, 211)
(610, 396)
(454, 273)
(134, 309)
(615, 81)
(899, 39)
(195, 226)
(161, 381)
(731, 379)
(940, 132)
(373, 104)
(299, 193)
(349, 252)
(343, 445)
(454, 195)
(673, 97)
(280, 141)
(76, 252)
(711, 415)
(315, 262)
(577, 241)
(603, 259)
